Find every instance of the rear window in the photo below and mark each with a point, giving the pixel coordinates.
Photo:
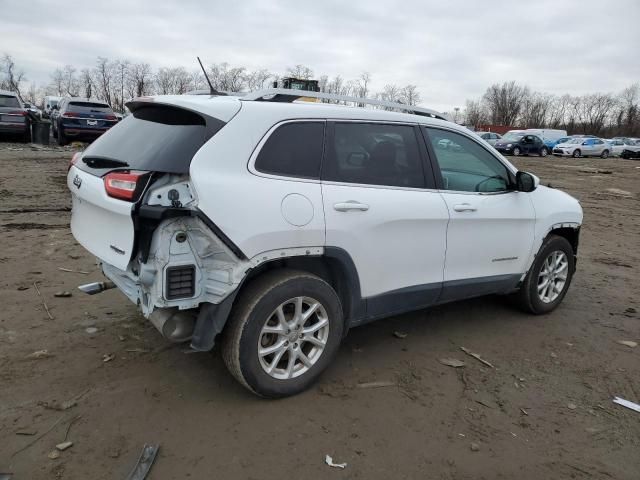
(157, 138)
(89, 107)
(9, 101)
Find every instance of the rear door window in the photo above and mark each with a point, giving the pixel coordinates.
(293, 150)
(155, 137)
(374, 154)
(9, 101)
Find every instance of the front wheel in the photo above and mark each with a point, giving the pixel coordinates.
(549, 278)
(605, 154)
(284, 331)
(544, 152)
(577, 153)
(517, 151)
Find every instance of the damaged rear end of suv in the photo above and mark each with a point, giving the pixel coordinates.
(135, 209)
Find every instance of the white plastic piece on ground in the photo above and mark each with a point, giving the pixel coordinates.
(329, 461)
(627, 403)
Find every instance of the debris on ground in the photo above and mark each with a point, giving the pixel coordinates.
(63, 294)
(107, 357)
(627, 403)
(91, 330)
(39, 354)
(619, 193)
(524, 412)
(64, 445)
(376, 384)
(452, 362)
(144, 463)
(474, 447)
(630, 310)
(44, 304)
(329, 461)
(571, 406)
(477, 357)
(62, 269)
(54, 454)
(27, 433)
(61, 407)
(628, 343)
(398, 334)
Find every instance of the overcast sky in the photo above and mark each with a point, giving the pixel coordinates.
(452, 50)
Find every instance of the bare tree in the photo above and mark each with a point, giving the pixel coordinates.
(71, 84)
(409, 95)
(104, 73)
(595, 109)
(504, 102)
(535, 108)
(300, 71)
(390, 93)
(139, 81)
(57, 82)
(475, 113)
(11, 77)
(257, 79)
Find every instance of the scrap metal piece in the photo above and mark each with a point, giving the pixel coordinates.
(143, 466)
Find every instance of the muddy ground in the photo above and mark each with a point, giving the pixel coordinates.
(544, 412)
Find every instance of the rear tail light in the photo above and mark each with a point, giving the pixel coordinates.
(69, 114)
(74, 160)
(111, 117)
(123, 185)
(22, 113)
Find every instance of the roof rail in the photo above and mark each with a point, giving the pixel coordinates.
(287, 96)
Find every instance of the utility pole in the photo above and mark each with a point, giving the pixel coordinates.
(122, 88)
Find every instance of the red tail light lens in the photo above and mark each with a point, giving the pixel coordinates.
(69, 114)
(18, 112)
(74, 160)
(111, 117)
(122, 185)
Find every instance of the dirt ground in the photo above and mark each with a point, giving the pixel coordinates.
(544, 412)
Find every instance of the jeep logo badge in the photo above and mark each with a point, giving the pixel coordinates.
(77, 181)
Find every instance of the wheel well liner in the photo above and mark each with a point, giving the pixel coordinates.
(572, 234)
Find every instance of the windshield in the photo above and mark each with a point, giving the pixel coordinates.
(9, 101)
(576, 140)
(512, 137)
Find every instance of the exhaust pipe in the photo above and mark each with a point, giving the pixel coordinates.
(174, 325)
(96, 287)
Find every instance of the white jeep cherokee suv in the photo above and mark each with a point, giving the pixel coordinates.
(280, 225)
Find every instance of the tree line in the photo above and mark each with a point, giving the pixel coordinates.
(509, 104)
(603, 114)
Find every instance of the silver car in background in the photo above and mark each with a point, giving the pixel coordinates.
(583, 147)
(489, 137)
(619, 144)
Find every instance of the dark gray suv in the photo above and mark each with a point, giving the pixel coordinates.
(14, 118)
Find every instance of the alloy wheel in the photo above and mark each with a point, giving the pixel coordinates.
(293, 338)
(553, 276)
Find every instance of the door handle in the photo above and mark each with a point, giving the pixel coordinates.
(464, 207)
(350, 205)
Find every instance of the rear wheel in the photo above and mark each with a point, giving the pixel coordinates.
(544, 152)
(26, 136)
(577, 153)
(549, 278)
(605, 154)
(517, 151)
(284, 331)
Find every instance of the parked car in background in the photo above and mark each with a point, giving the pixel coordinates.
(81, 119)
(631, 151)
(31, 108)
(583, 147)
(48, 104)
(14, 119)
(521, 143)
(618, 144)
(489, 137)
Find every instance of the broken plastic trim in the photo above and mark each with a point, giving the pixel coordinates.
(148, 217)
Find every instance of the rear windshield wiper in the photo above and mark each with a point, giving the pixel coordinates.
(102, 162)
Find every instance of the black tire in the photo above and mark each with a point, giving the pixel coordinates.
(516, 151)
(605, 154)
(62, 138)
(544, 152)
(527, 297)
(577, 153)
(254, 307)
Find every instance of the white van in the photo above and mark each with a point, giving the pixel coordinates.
(48, 103)
(549, 136)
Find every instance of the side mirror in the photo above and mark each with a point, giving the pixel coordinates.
(526, 182)
(585, 143)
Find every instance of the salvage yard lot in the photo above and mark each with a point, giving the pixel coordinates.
(544, 411)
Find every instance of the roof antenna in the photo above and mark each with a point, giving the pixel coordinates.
(212, 90)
